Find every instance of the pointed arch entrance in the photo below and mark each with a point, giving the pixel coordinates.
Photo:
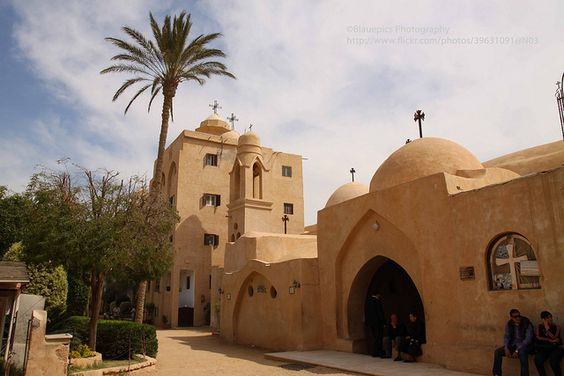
(383, 276)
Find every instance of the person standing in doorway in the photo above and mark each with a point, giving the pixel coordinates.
(516, 342)
(374, 319)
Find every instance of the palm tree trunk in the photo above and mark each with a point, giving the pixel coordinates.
(97, 287)
(140, 304)
(168, 93)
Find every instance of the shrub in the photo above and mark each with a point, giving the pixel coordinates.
(74, 354)
(115, 338)
(84, 351)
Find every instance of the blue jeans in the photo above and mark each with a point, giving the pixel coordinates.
(523, 358)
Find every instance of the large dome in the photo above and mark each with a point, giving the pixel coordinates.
(347, 192)
(423, 157)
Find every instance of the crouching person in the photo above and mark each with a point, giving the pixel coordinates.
(517, 341)
(393, 334)
(411, 344)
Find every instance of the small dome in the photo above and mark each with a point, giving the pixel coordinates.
(231, 136)
(420, 158)
(214, 124)
(249, 138)
(347, 192)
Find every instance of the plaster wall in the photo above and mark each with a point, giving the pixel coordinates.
(287, 321)
(187, 178)
(431, 233)
(47, 356)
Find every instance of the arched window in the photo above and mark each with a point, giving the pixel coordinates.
(513, 264)
(257, 181)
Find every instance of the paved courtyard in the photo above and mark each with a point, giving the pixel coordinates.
(196, 351)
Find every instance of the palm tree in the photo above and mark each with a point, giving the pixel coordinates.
(160, 66)
(163, 64)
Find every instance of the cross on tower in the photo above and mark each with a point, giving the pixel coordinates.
(215, 106)
(250, 127)
(419, 116)
(232, 120)
(511, 260)
(352, 171)
(285, 219)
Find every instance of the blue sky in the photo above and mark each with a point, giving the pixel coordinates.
(335, 81)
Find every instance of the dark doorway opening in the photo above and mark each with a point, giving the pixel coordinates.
(185, 316)
(397, 292)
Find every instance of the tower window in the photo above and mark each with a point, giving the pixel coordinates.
(210, 160)
(209, 199)
(287, 171)
(211, 239)
(288, 208)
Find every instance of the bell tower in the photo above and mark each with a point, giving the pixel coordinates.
(249, 209)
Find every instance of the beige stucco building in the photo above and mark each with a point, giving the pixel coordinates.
(200, 166)
(435, 231)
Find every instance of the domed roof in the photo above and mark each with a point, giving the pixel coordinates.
(249, 138)
(214, 124)
(423, 157)
(231, 135)
(346, 192)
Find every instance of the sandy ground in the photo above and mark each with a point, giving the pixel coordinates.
(197, 352)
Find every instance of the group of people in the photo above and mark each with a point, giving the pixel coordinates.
(521, 339)
(393, 334)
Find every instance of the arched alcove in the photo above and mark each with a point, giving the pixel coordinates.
(382, 276)
(257, 181)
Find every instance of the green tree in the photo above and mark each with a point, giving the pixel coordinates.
(47, 280)
(149, 252)
(96, 224)
(12, 216)
(163, 64)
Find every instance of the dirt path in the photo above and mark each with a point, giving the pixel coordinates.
(198, 352)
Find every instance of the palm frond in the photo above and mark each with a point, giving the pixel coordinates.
(135, 97)
(125, 85)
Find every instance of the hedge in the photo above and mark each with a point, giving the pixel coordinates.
(113, 337)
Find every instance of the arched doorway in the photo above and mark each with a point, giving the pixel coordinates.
(397, 291)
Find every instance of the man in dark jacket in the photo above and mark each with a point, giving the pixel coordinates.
(374, 319)
(516, 342)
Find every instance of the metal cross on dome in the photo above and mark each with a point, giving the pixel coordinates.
(419, 116)
(352, 171)
(215, 106)
(232, 119)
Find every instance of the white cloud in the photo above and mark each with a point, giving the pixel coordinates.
(306, 83)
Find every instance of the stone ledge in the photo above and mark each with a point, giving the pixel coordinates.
(149, 362)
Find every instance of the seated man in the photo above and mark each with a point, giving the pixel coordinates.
(516, 342)
(411, 344)
(394, 332)
(548, 345)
